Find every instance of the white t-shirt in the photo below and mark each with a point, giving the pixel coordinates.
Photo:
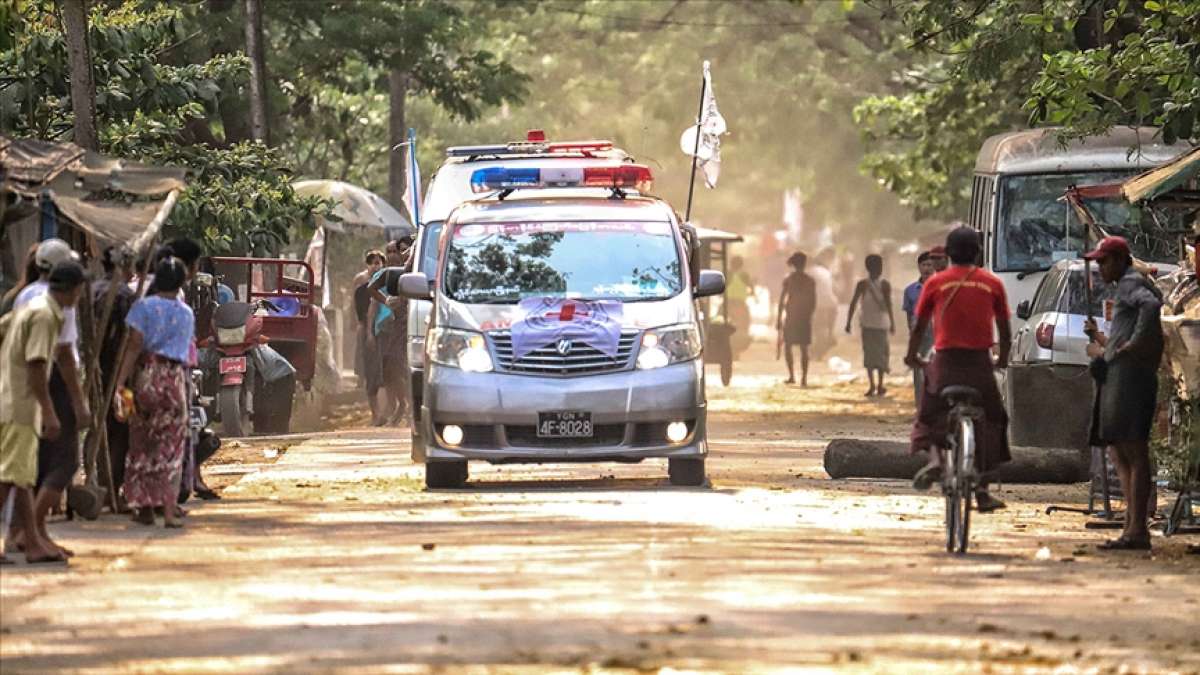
(69, 335)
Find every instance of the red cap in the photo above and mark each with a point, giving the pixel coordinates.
(938, 251)
(1109, 246)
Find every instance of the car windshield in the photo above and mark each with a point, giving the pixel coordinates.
(1036, 227)
(504, 263)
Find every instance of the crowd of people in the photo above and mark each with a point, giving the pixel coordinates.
(382, 325)
(960, 333)
(145, 336)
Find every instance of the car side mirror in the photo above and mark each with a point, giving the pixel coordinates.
(711, 283)
(1024, 311)
(415, 286)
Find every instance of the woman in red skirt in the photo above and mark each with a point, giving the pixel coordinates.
(161, 328)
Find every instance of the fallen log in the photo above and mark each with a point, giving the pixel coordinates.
(856, 458)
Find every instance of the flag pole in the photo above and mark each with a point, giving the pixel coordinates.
(687, 216)
(412, 176)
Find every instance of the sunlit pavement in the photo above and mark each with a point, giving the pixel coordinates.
(336, 558)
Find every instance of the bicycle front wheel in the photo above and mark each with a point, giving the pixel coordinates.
(964, 459)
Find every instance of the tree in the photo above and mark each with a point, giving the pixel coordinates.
(83, 91)
(155, 103)
(425, 47)
(258, 71)
(981, 68)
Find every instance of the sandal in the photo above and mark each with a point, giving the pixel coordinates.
(1124, 544)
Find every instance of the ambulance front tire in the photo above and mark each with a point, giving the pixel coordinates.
(442, 475)
(686, 472)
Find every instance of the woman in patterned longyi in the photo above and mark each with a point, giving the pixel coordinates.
(161, 328)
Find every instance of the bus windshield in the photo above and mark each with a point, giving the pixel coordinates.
(1036, 227)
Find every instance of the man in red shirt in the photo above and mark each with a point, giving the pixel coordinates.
(964, 302)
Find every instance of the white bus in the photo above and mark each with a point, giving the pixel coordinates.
(1016, 200)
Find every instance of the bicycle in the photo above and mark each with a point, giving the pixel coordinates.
(960, 479)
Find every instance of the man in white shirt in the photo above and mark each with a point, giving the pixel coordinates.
(58, 459)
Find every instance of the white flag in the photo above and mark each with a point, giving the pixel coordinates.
(710, 128)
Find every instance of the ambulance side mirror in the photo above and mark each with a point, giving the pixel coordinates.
(711, 283)
(415, 286)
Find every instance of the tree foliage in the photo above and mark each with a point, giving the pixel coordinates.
(983, 67)
(154, 104)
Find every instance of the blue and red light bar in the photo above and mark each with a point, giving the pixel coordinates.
(626, 176)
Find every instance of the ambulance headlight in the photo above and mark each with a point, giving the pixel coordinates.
(669, 345)
(463, 349)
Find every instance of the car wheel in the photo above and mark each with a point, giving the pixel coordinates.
(442, 475)
(686, 472)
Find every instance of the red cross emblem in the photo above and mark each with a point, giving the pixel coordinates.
(568, 312)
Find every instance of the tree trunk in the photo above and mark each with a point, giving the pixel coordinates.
(258, 72)
(83, 90)
(397, 134)
(854, 458)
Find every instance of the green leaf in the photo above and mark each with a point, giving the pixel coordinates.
(1153, 5)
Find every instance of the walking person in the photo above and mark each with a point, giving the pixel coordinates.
(875, 321)
(912, 293)
(366, 359)
(797, 304)
(963, 304)
(388, 317)
(58, 458)
(161, 328)
(1125, 366)
(28, 413)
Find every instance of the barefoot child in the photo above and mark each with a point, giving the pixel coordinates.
(797, 303)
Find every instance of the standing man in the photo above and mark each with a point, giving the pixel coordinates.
(366, 360)
(1126, 370)
(963, 303)
(58, 458)
(27, 409)
(875, 322)
(388, 317)
(797, 303)
(912, 293)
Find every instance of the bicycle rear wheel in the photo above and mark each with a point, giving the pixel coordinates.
(964, 457)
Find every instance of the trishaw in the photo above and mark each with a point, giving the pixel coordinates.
(718, 343)
(275, 298)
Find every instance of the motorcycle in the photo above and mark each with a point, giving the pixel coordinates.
(255, 383)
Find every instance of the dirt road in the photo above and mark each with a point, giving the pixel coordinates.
(334, 558)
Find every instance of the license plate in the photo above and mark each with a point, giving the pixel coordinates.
(235, 364)
(564, 425)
